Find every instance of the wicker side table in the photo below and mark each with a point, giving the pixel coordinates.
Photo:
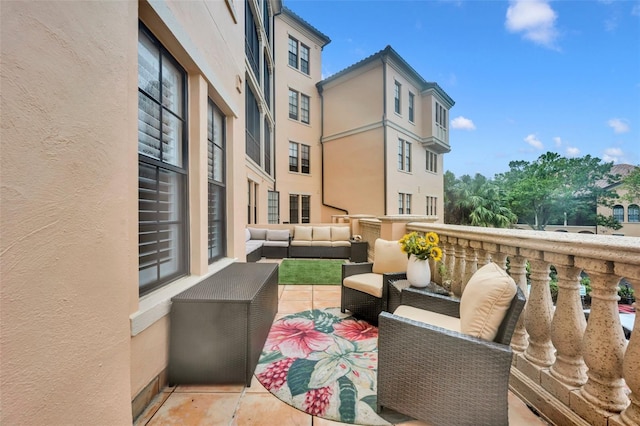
(395, 294)
(219, 326)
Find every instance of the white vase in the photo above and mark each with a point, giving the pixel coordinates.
(418, 272)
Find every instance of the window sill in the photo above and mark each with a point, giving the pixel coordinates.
(153, 306)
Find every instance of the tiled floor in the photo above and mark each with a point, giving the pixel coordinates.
(254, 405)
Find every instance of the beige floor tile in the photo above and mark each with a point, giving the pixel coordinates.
(520, 414)
(298, 287)
(151, 409)
(323, 304)
(326, 287)
(256, 386)
(196, 409)
(209, 388)
(259, 409)
(291, 307)
(318, 421)
(280, 290)
(330, 294)
(296, 295)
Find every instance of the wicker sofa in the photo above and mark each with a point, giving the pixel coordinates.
(270, 243)
(330, 242)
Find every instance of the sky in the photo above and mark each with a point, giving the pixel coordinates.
(527, 76)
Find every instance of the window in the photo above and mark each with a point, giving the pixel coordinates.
(293, 157)
(293, 104)
(411, 106)
(251, 42)
(299, 208)
(396, 97)
(441, 116)
(162, 165)
(294, 47)
(618, 213)
(266, 85)
(266, 19)
(267, 146)
(304, 109)
(252, 125)
(252, 205)
(404, 203)
(432, 162)
(273, 207)
(633, 213)
(432, 206)
(293, 52)
(404, 155)
(304, 59)
(299, 157)
(216, 182)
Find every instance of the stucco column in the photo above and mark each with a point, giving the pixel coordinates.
(604, 343)
(631, 363)
(458, 270)
(567, 329)
(483, 258)
(518, 271)
(538, 316)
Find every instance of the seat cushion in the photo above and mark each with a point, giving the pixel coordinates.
(388, 257)
(485, 301)
(321, 243)
(301, 243)
(367, 283)
(321, 233)
(340, 233)
(302, 233)
(428, 317)
(340, 244)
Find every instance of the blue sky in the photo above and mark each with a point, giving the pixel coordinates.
(528, 76)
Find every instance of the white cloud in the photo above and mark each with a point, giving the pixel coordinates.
(557, 141)
(613, 154)
(462, 123)
(572, 151)
(534, 141)
(535, 19)
(618, 125)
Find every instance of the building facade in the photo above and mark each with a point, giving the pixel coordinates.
(626, 211)
(138, 141)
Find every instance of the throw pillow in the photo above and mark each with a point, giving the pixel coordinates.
(388, 257)
(321, 233)
(302, 233)
(277, 235)
(340, 233)
(258, 234)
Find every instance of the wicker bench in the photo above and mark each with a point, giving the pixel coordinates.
(219, 326)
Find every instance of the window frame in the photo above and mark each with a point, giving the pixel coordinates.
(633, 213)
(294, 156)
(293, 54)
(618, 213)
(397, 97)
(305, 112)
(294, 95)
(219, 185)
(411, 107)
(431, 162)
(304, 63)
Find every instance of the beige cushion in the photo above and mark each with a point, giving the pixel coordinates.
(340, 244)
(302, 233)
(321, 243)
(433, 318)
(301, 243)
(321, 233)
(388, 257)
(258, 234)
(340, 233)
(277, 235)
(367, 283)
(485, 300)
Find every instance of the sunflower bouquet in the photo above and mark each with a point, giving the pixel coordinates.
(422, 246)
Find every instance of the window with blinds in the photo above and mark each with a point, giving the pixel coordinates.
(162, 168)
(216, 143)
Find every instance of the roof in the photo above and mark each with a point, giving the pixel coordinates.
(617, 169)
(324, 39)
(389, 52)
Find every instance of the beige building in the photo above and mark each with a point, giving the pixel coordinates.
(625, 211)
(138, 141)
(384, 132)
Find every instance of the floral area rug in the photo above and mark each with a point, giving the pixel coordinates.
(323, 362)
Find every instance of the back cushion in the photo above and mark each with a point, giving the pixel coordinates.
(340, 233)
(277, 235)
(302, 233)
(247, 234)
(388, 257)
(485, 300)
(321, 233)
(258, 234)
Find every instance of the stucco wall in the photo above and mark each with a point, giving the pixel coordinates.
(69, 212)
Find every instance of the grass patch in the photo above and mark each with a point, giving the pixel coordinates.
(310, 271)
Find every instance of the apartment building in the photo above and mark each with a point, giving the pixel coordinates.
(138, 141)
(385, 130)
(625, 211)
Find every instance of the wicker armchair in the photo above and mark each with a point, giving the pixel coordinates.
(365, 286)
(442, 376)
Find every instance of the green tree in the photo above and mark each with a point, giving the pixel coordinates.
(475, 201)
(546, 188)
(631, 183)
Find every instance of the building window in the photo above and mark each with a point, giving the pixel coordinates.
(266, 18)
(252, 204)
(293, 52)
(404, 155)
(273, 207)
(162, 165)
(304, 59)
(618, 213)
(411, 106)
(251, 42)
(432, 206)
(293, 157)
(396, 97)
(404, 203)
(299, 208)
(216, 182)
(441, 116)
(432, 162)
(266, 85)
(304, 109)
(299, 157)
(633, 213)
(267, 146)
(252, 125)
(293, 104)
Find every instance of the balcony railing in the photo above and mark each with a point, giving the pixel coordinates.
(572, 371)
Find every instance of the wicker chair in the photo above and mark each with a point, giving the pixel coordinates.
(365, 286)
(442, 376)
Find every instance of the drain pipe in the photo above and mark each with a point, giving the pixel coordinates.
(384, 128)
